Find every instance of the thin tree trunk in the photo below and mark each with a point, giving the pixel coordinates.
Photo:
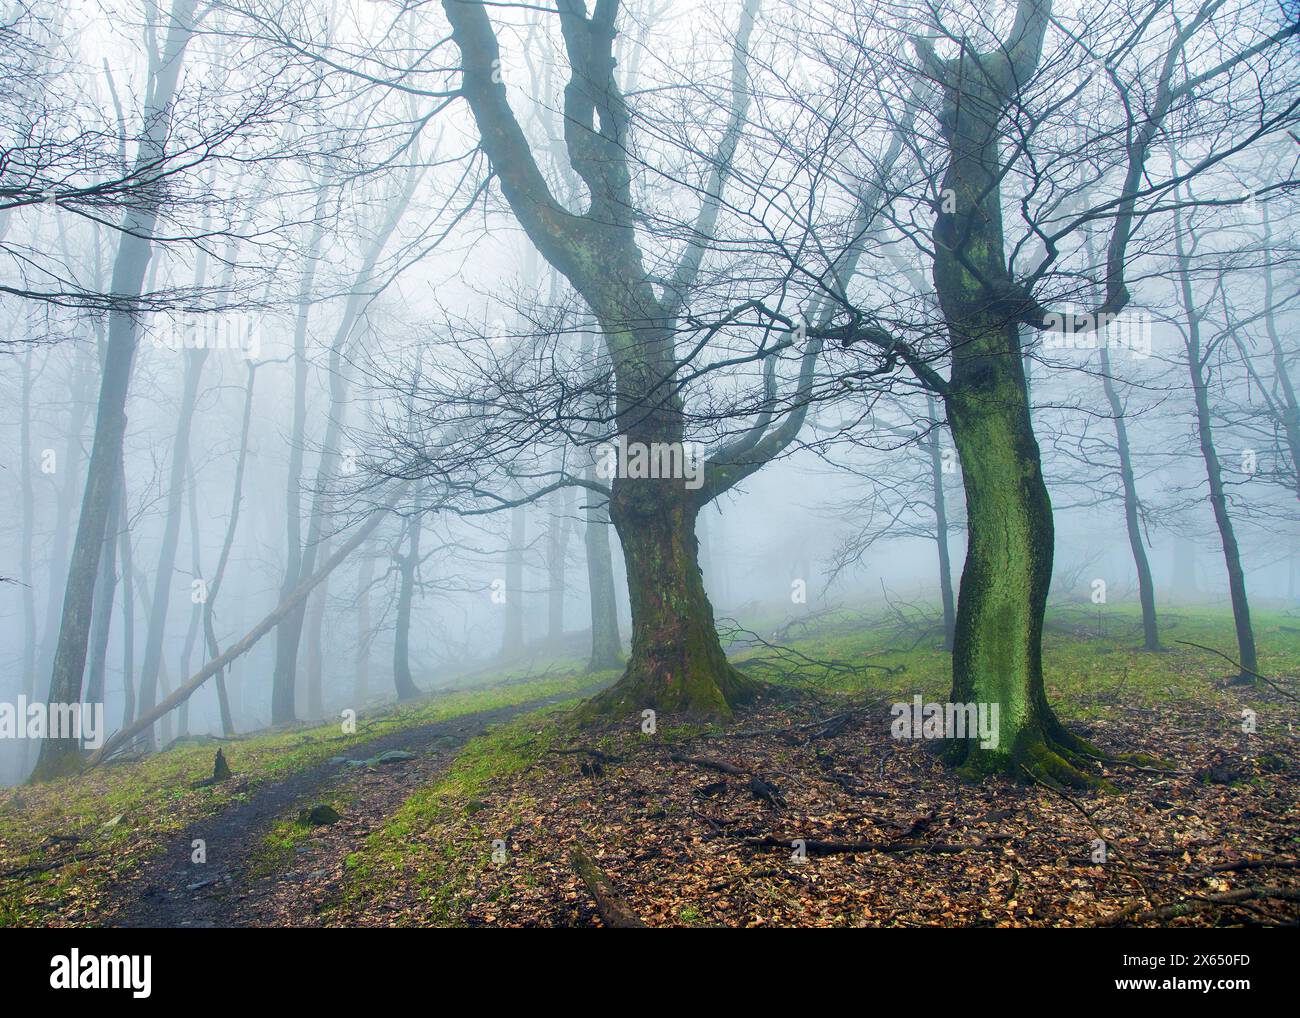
(128, 606)
(941, 530)
(361, 682)
(209, 606)
(196, 599)
(512, 642)
(163, 575)
(1290, 408)
(1146, 588)
(29, 528)
(407, 564)
(1213, 466)
(557, 540)
(606, 644)
(60, 756)
(317, 603)
(66, 499)
(105, 591)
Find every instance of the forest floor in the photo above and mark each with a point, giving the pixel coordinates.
(77, 851)
(804, 811)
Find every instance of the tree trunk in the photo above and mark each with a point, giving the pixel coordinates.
(512, 640)
(361, 682)
(557, 549)
(677, 663)
(406, 568)
(606, 644)
(61, 536)
(28, 528)
(196, 605)
(315, 652)
(997, 641)
(941, 531)
(1146, 588)
(997, 655)
(1290, 406)
(105, 591)
(128, 606)
(60, 756)
(1213, 466)
(153, 648)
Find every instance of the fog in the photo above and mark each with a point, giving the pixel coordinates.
(330, 308)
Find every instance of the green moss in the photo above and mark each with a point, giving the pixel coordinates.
(400, 852)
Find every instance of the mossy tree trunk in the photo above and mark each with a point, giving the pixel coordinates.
(997, 646)
(997, 652)
(677, 662)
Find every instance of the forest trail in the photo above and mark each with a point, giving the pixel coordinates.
(242, 884)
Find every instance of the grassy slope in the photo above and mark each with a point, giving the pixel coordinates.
(1086, 660)
(123, 811)
(153, 797)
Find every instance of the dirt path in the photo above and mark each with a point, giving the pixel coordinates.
(227, 890)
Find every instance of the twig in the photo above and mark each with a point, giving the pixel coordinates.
(1263, 678)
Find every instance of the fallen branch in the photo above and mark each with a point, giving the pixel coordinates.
(614, 911)
(1263, 678)
(22, 871)
(595, 754)
(814, 847)
(710, 765)
(1200, 903)
(217, 664)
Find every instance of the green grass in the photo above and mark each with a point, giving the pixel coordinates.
(1088, 660)
(1083, 655)
(401, 850)
(152, 798)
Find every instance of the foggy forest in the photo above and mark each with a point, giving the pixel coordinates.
(787, 463)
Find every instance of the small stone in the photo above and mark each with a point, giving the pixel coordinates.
(319, 815)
